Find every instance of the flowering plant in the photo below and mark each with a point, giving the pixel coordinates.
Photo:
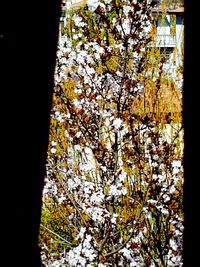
(113, 190)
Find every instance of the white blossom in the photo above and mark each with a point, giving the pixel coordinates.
(92, 4)
(117, 123)
(53, 150)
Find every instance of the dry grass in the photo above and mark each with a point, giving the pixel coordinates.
(159, 102)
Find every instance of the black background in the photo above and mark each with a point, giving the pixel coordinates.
(28, 42)
(28, 39)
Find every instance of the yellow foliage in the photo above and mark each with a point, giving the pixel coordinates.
(68, 88)
(159, 102)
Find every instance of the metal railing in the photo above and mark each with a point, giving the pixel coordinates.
(165, 40)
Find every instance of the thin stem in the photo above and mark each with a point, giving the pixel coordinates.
(52, 232)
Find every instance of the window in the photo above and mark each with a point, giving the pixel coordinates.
(166, 53)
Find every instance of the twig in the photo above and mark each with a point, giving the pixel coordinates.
(52, 232)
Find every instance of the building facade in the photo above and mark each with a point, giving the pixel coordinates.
(169, 36)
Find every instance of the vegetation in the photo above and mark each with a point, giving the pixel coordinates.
(173, 3)
(113, 189)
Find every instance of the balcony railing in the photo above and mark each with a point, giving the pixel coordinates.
(165, 40)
